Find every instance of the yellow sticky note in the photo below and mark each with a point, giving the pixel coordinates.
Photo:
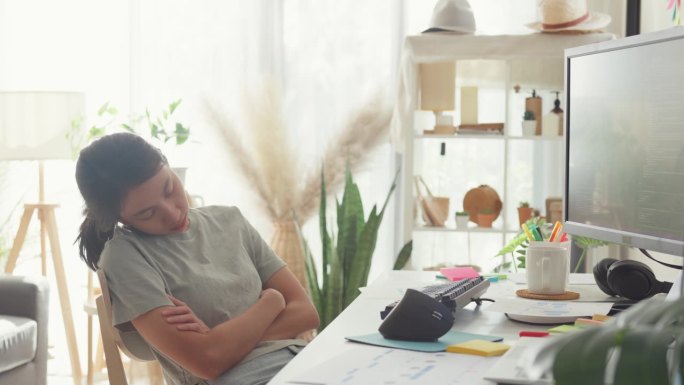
(584, 323)
(479, 348)
(601, 317)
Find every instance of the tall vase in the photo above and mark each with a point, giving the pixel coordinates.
(287, 245)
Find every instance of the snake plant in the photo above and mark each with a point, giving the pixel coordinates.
(347, 253)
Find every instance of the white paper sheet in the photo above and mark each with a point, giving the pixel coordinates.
(528, 307)
(370, 365)
(676, 290)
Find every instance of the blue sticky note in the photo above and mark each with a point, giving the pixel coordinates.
(452, 337)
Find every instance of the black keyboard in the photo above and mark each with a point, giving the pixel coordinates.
(454, 295)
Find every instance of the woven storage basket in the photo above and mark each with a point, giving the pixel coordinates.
(287, 245)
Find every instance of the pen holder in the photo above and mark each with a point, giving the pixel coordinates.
(547, 266)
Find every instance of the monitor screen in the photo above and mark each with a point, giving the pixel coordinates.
(624, 169)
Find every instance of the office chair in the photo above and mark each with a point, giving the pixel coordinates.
(114, 341)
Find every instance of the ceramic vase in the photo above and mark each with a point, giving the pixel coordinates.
(524, 214)
(462, 221)
(529, 127)
(485, 220)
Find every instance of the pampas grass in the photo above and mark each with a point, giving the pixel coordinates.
(364, 131)
(271, 166)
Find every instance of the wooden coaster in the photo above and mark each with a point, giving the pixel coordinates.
(568, 295)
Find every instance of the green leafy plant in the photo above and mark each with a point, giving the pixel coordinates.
(528, 115)
(524, 204)
(642, 346)
(403, 256)
(159, 127)
(517, 248)
(346, 254)
(586, 244)
(462, 213)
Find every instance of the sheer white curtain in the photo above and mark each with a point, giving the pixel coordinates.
(328, 55)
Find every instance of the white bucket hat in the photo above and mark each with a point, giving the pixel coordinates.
(568, 15)
(452, 16)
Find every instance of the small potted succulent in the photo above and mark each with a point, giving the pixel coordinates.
(462, 219)
(485, 217)
(529, 123)
(524, 212)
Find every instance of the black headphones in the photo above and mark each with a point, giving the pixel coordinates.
(629, 279)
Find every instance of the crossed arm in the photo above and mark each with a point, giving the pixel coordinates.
(283, 311)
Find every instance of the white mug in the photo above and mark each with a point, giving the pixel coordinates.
(547, 267)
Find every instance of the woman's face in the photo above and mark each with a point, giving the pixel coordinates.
(159, 206)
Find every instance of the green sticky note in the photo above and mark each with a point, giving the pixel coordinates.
(564, 329)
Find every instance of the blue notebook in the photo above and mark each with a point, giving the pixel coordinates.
(450, 338)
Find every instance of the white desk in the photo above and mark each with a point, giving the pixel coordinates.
(363, 317)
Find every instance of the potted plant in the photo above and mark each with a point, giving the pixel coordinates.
(529, 123)
(159, 128)
(645, 336)
(485, 217)
(347, 250)
(524, 212)
(462, 219)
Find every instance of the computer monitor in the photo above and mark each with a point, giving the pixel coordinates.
(624, 119)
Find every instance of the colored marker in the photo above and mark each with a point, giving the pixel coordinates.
(527, 231)
(535, 232)
(539, 234)
(556, 230)
(564, 238)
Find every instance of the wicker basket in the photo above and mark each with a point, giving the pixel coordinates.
(287, 245)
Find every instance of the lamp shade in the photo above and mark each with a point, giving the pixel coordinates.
(438, 86)
(34, 124)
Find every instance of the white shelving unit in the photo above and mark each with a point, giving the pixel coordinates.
(517, 167)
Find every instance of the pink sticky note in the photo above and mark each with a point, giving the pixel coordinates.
(458, 273)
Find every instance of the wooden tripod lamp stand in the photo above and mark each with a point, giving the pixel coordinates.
(33, 126)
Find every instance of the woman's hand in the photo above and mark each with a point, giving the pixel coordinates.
(275, 297)
(299, 314)
(182, 316)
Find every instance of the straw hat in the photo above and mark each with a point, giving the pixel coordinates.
(452, 16)
(568, 15)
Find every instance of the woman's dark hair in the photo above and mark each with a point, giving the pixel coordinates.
(105, 171)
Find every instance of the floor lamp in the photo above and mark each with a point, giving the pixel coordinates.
(33, 126)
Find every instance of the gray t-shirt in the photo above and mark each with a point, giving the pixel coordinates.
(217, 267)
